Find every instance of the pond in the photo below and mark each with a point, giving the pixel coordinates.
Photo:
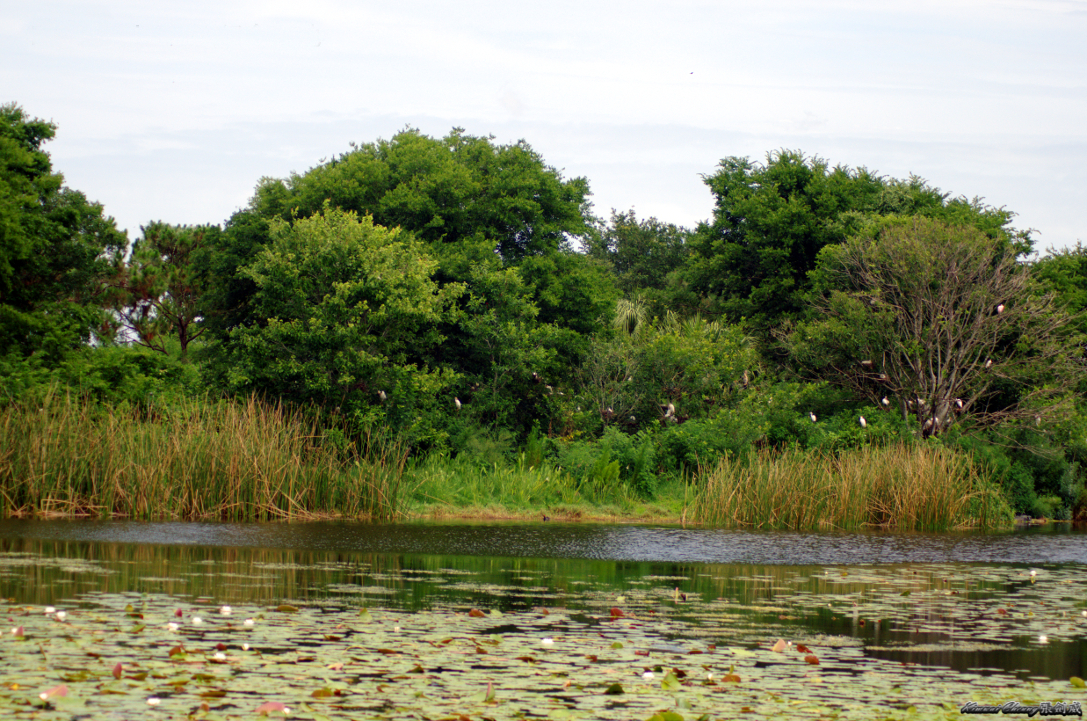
(935, 616)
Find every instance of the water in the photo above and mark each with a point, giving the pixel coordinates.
(961, 601)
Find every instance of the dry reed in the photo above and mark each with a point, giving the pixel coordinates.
(242, 460)
(919, 487)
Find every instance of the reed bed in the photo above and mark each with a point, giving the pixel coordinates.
(243, 460)
(919, 488)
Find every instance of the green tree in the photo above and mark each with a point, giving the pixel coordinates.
(159, 290)
(939, 322)
(445, 190)
(347, 315)
(641, 253)
(57, 249)
(771, 220)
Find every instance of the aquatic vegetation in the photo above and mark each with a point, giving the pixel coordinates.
(316, 663)
(197, 459)
(920, 487)
(846, 642)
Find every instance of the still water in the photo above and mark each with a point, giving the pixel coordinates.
(963, 601)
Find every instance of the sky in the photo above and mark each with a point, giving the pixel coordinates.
(173, 111)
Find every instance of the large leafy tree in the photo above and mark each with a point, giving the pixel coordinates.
(771, 220)
(346, 313)
(939, 322)
(450, 190)
(495, 220)
(57, 249)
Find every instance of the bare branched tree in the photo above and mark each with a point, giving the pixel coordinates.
(941, 322)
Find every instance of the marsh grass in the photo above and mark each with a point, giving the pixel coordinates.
(198, 459)
(456, 485)
(918, 487)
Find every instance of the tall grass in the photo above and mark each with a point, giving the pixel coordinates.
(917, 487)
(242, 460)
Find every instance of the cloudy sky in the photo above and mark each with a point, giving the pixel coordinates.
(173, 110)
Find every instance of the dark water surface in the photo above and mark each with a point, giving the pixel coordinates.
(963, 601)
(1054, 543)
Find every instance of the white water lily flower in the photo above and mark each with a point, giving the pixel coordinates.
(196, 620)
(220, 656)
(226, 611)
(50, 609)
(248, 623)
(1043, 639)
(1085, 614)
(647, 675)
(154, 701)
(245, 646)
(171, 627)
(396, 629)
(61, 615)
(547, 641)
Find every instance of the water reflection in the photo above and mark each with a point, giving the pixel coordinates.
(1056, 543)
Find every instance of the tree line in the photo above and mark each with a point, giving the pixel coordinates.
(462, 295)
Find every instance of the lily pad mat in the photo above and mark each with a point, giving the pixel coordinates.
(318, 662)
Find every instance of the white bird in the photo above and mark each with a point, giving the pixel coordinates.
(812, 416)
(885, 402)
(864, 423)
(1000, 308)
(456, 402)
(670, 411)
(989, 363)
(382, 396)
(550, 390)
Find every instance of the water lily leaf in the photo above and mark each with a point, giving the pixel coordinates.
(614, 690)
(812, 659)
(286, 608)
(324, 692)
(476, 613)
(617, 644)
(617, 613)
(670, 682)
(1078, 682)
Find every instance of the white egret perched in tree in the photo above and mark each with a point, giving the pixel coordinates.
(456, 402)
(382, 396)
(885, 401)
(864, 423)
(812, 416)
(1000, 308)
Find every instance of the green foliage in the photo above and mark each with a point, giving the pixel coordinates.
(347, 313)
(645, 257)
(159, 291)
(939, 320)
(450, 190)
(630, 380)
(771, 221)
(56, 248)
